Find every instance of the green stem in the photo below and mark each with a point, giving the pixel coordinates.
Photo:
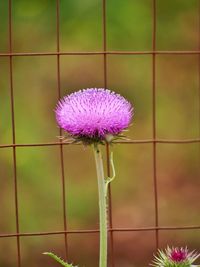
(102, 207)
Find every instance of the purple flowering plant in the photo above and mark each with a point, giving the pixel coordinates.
(175, 257)
(95, 116)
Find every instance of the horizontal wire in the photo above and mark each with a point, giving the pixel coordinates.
(79, 53)
(90, 231)
(147, 141)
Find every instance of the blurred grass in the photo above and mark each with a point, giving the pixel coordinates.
(129, 27)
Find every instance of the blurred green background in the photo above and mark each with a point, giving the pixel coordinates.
(129, 28)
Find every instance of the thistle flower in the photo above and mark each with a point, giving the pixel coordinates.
(175, 257)
(93, 114)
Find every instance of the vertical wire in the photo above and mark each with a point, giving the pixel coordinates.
(60, 131)
(199, 65)
(104, 43)
(154, 123)
(13, 134)
(199, 76)
(107, 145)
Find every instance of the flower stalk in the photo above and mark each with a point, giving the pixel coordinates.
(102, 185)
(95, 116)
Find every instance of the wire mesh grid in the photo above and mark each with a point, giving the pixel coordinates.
(154, 141)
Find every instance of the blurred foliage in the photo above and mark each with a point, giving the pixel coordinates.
(129, 27)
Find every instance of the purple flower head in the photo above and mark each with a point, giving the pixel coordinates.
(175, 257)
(93, 113)
(178, 254)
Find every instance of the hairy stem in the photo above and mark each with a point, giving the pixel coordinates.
(102, 207)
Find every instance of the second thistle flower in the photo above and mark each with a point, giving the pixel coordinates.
(175, 257)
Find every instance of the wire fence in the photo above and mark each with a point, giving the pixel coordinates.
(154, 141)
